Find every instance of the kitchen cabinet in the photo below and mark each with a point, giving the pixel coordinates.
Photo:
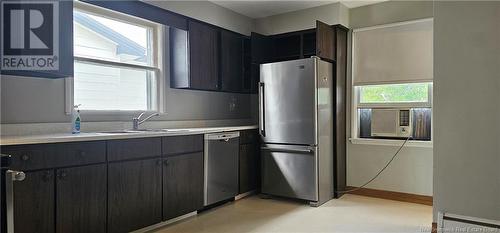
(248, 78)
(249, 161)
(182, 184)
(81, 199)
(324, 41)
(231, 58)
(52, 155)
(134, 194)
(34, 203)
(135, 148)
(109, 186)
(203, 56)
(56, 197)
(287, 46)
(182, 175)
(320, 41)
(340, 53)
(182, 144)
(72, 198)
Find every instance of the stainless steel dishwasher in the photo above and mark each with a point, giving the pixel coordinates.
(221, 166)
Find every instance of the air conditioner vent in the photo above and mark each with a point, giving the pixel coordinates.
(404, 118)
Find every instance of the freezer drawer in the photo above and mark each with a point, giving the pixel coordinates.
(289, 171)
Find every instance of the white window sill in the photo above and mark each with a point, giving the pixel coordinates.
(390, 142)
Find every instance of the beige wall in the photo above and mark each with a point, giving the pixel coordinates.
(209, 12)
(467, 108)
(335, 13)
(389, 12)
(411, 171)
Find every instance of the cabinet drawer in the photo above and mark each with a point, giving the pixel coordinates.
(40, 156)
(182, 144)
(133, 148)
(249, 136)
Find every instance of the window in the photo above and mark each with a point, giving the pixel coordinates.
(413, 98)
(394, 93)
(407, 95)
(392, 73)
(116, 61)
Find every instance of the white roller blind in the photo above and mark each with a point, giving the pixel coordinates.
(398, 53)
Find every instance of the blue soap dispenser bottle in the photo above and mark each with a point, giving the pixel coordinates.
(75, 120)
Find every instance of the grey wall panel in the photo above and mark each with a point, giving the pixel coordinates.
(467, 108)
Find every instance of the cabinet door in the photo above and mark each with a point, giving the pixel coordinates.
(249, 168)
(182, 184)
(340, 105)
(203, 56)
(81, 199)
(262, 48)
(34, 203)
(134, 194)
(231, 62)
(325, 38)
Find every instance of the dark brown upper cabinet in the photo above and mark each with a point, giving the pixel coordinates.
(206, 57)
(325, 39)
(231, 57)
(203, 56)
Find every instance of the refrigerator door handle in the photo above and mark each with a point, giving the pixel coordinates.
(310, 150)
(262, 112)
(10, 177)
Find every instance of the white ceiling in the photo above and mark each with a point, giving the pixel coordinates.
(261, 8)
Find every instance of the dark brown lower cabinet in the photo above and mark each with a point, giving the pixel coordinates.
(34, 203)
(249, 168)
(81, 199)
(134, 194)
(182, 184)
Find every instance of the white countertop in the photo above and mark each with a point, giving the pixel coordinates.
(67, 137)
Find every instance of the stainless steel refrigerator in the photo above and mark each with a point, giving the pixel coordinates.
(296, 126)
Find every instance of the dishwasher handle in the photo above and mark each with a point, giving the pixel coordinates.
(222, 136)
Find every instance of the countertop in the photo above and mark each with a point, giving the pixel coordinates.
(95, 136)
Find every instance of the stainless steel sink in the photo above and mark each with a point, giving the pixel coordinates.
(150, 130)
(120, 132)
(145, 131)
(177, 130)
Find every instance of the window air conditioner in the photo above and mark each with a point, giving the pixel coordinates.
(391, 122)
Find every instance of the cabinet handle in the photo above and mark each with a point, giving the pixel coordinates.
(82, 153)
(166, 162)
(25, 157)
(62, 174)
(10, 177)
(158, 162)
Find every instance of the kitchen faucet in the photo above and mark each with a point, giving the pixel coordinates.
(136, 121)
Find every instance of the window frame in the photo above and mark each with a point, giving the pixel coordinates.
(156, 66)
(355, 104)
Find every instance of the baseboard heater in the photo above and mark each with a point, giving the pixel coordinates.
(451, 223)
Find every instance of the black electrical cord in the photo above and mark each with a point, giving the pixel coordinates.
(380, 172)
